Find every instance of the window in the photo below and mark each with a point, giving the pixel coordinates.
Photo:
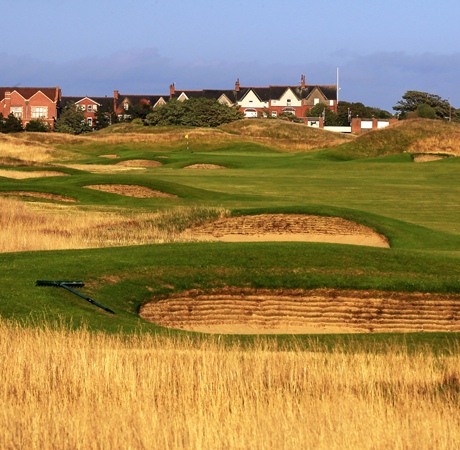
(16, 111)
(94, 108)
(82, 107)
(39, 112)
(274, 114)
(90, 108)
(288, 102)
(316, 101)
(126, 106)
(90, 121)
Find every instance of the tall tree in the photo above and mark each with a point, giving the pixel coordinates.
(411, 100)
(72, 121)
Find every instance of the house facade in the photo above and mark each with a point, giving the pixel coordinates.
(266, 101)
(31, 103)
(123, 103)
(90, 106)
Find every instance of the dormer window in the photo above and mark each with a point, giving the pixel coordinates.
(126, 106)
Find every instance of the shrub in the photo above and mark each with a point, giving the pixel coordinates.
(37, 125)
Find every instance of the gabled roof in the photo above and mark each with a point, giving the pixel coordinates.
(266, 94)
(27, 92)
(262, 93)
(212, 94)
(135, 99)
(105, 103)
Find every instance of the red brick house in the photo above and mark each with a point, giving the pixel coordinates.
(31, 103)
(90, 106)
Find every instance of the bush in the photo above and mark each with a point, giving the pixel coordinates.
(37, 125)
(10, 124)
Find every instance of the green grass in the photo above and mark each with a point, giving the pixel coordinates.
(415, 205)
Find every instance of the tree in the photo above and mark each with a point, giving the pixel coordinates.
(347, 110)
(411, 100)
(10, 124)
(195, 112)
(72, 121)
(37, 125)
(102, 119)
(321, 110)
(426, 111)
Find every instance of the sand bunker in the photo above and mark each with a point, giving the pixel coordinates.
(104, 168)
(139, 163)
(428, 158)
(205, 166)
(289, 227)
(250, 311)
(44, 195)
(122, 166)
(110, 156)
(130, 190)
(20, 174)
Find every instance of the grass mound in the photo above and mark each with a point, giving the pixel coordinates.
(408, 136)
(285, 135)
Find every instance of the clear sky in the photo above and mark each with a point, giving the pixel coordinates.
(382, 48)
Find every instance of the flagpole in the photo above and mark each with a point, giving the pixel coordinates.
(338, 86)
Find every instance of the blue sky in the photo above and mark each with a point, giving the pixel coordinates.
(382, 48)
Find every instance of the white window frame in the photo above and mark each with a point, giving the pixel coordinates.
(16, 111)
(90, 108)
(39, 112)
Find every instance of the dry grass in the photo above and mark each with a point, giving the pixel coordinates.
(76, 390)
(286, 136)
(445, 144)
(42, 226)
(32, 149)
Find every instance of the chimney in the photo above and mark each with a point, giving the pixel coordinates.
(115, 100)
(7, 103)
(172, 90)
(237, 85)
(303, 82)
(58, 94)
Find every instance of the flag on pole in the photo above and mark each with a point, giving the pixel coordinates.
(186, 136)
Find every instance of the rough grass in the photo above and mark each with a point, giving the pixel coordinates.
(406, 136)
(285, 136)
(76, 390)
(41, 226)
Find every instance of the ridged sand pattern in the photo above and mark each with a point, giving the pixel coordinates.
(312, 311)
(296, 227)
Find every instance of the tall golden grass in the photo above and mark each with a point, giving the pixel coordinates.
(32, 149)
(76, 390)
(40, 226)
